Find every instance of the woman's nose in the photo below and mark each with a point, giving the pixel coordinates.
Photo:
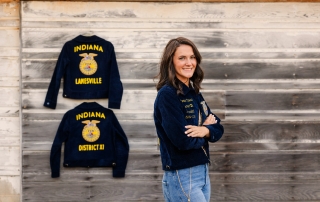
(188, 61)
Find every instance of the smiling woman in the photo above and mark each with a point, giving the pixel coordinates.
(184, 124)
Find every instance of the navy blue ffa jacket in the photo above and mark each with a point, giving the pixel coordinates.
(93, 137)
(172, 112)
(89, 69)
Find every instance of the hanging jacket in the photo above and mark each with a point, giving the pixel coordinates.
(89, 69)
(93, 137)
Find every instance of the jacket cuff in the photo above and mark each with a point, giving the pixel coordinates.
(114, 105)
(55, 174)
(118, 173)
(49, 104)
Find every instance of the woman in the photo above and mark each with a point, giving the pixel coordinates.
(184, 124)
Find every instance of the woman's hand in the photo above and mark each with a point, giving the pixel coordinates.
(197, 131)
(210, 120)
(201, 131)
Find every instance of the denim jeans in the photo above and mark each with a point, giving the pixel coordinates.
(176, 184)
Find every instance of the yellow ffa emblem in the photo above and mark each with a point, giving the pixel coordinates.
(90, 132)
(88, 65)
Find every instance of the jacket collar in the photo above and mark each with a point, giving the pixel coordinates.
(92, 38)
(185, 88)
(89, 105)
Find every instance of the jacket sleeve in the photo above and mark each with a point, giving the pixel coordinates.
(173, 122)
(55, 154)
(54, 86)
(121, 149)
(216, 130)
(115, 84)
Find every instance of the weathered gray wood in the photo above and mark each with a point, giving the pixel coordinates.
(9, 131)
(38, 38)
(131, 100)
(143, 10)
(223, 69)
(263, 161)
(212, 53)
(139, 161)
(208, 84)
(233, 100)
(273, 100)
(261, 78)
(235, 132)
(149, 191)
(57, 114)
(110, 190)
(168, 24)
(10, 134)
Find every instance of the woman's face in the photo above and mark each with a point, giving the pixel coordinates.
(184, 62)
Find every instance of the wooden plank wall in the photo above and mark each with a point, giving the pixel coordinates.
(10, 146)
(261, 63)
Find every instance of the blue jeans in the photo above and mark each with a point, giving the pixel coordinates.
(176, 184)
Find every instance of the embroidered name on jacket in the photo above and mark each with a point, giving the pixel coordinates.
(85, 115)
(88, 80)
(91, 147)
(84, 47)
(188, 104)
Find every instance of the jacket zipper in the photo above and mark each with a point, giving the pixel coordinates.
(199, 124)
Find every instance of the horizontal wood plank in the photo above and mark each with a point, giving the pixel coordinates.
(232, 100)
(10, 187)
(10, 97)
(306, 132)
(167, 9)
(247, 161)
(9, 9)
(131, 100)
(207, 84)
(272, 100)
(30, 54)
(133, 23)
(38, 38)
(151, 191)
(12, 64)
(213, 69)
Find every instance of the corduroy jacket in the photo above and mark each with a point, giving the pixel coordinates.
(93, 137)
(89, 69)
(172, 112)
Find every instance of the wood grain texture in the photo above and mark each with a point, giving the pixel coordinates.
(10, 134)
(261, 64)
(39, 37)
(214, 69)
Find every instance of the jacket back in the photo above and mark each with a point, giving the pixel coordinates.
(93, 137)
(89, 70)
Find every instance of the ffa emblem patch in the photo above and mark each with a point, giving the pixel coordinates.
(204, 107)
(88, 65)
(90, 132)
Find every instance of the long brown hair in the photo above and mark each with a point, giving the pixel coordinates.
(167, 73)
